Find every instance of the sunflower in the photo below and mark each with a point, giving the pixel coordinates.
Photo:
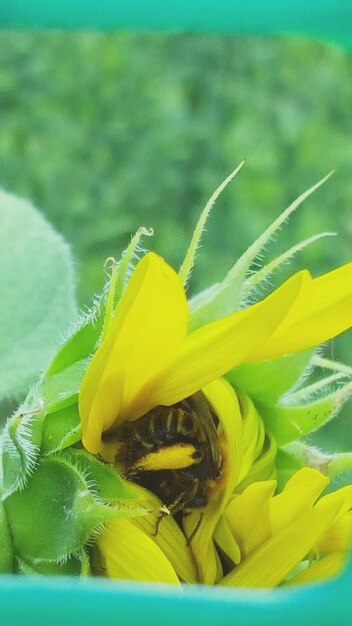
(150, 364)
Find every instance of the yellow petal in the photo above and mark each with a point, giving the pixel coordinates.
(346, 494)
(248, 516)
(325, 568)
(338, 538)
(272, 561)
(169, 536)
(264, 466)
(214, 349)
(224, 538)
(297, 497)
(224, 402)
(253, 435)
(148, 327)
(128, 553)
(322, 311)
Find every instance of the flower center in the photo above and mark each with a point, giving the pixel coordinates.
(174, 452)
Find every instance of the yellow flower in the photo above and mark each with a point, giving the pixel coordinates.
(129, 549)
(276, 534)
(148, 359)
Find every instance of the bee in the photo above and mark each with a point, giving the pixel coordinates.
(173, 452)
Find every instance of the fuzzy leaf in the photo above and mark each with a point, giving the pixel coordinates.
(261, 276)
(78, 347)
(298, 454)
(106, 481)
(37, 293)
(189, 260)
(61, 390)
(268, 380)
(287, 423)
(286, 465)
(21, 441)
(83, 341)
(225, 297)
(55, 515)
(61, 430)
(214, 302)
(120, 274)
(74, 566)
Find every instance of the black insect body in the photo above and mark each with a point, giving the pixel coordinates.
(173, 452)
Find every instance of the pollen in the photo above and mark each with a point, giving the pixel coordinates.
(178, 456)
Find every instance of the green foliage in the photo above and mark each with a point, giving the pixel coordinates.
(20, 450)
(289, 422)
(107, 483)
(297, 454)
(6, 548)
(61, 429)
(107, 132)
(61, 389)
(37, 293)
(73, 566)
(268, 380)
(57, 513)
(234, 288)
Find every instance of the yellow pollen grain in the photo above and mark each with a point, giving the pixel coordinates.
(174, 457)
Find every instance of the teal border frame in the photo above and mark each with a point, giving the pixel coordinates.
(330, 20)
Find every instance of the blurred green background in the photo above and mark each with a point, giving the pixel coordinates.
(107, 132)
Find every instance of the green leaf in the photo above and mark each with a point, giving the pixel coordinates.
(287, 423)
(61, 429)
(286, 465)
(317, 389)
(6, 548)
(297, 454)
(225, 297)
(57, 513)
(37, 293)
(78, 347)
(106, 481)
(261, 276)
(189, 260)
(120, 273)
(214, 302)
(83, 341)
(61, 390)
(21, 442)
(74, 566)
(268, 380)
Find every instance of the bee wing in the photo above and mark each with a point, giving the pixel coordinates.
(207, 427)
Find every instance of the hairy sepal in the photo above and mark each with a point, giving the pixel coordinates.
(297, 454)
(61, 430)
(225, 297)
(58, 512)
(75, 565)
(108, 484)
(290, 422)
(268, 380)
(20, 443)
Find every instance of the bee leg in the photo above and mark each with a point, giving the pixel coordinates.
(184, 497)
(189, 539)
(163, 511)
